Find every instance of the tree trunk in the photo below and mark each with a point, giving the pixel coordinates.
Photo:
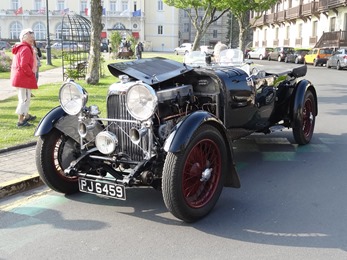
(93, 72)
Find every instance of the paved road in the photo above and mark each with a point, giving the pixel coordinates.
(292, 205)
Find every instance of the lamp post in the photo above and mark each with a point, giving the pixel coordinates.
(48, 47)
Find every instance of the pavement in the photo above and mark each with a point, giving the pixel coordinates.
(17, 164)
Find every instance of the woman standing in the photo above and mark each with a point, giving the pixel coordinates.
(23, 75)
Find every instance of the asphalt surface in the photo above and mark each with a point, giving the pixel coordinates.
(17, 164)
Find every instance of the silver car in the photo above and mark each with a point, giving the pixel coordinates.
(259, 53)
(338, 59)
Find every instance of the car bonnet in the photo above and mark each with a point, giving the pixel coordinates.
(150, 71)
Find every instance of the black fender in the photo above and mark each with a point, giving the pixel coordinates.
(298, 99)
(49, 120)
(180, 137)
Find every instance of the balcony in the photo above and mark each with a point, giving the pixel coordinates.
(293, 13)
(281, 16)
(336, 3)
(309, 9)
(323, 6)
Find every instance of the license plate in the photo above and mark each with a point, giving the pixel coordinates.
(111, 190)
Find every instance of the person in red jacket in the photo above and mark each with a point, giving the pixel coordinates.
(23, 71)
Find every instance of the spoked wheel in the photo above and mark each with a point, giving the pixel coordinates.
(193, 179)
(303, 130)
(54, 153)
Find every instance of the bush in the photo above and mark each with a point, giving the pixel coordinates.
(5, 62)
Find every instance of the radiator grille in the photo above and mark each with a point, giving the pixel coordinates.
(116, 109)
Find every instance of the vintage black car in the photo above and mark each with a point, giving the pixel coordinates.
(170, 126)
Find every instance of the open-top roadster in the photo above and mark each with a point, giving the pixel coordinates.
(170, 126)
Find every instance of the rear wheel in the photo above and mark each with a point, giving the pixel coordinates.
(261, 57)
(304, 127)
(286, 59)
(193, 179)
(296, 60)
(338, 65)
(54, 153)
(279, 59)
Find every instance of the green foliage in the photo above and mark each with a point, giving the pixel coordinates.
(5, 62)
(115, 40)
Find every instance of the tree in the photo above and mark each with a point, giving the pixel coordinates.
(240, 10)
(193, 9)
(93, 72)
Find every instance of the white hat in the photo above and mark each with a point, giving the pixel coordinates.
(24, 32)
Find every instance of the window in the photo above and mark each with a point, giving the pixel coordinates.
(83, 5)
(38, 4)
(186, 27)
(300, 31)
(160, 29)
(135, 5)
(314, 28)
(113, 6)
(287, 32)
(60, 5)
(124, 5)
(15, 29)
(332, 24)
(160, 5)
(215, 34)
(40, 31)
(15, 4)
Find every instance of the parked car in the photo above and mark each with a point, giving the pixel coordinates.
(338, 59)
(318, 56)
(103, 47)
(206, 49)
(259, 53)
(280, 53)
(183, 49)
(5, 45)
(298, 56)
(170, 126)
(65, 46)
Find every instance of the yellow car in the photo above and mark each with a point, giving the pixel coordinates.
(318, 56)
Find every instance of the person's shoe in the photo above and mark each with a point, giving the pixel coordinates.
(24, 123)
(30, 118)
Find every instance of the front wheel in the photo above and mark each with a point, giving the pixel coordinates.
(279, 59)
(338, 66)
(193, 179)
(54, 153)
(303, 129)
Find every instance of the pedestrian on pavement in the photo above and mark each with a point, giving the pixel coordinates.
(38, 55)
(23, 71)
(217, 50)
(139, 50)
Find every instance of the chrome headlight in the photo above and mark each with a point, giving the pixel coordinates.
(72, 97)
(141, 101)
(106, 142)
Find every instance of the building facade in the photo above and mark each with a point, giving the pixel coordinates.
(301, 23)
(151, 21)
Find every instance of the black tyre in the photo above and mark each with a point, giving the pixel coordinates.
(328, 65)
(193, 179)
(268, 58)
(279, 59)
(261, 57)
(296, 60)
(338, 66)
(54, 153)
(286, 59)
(303, 130)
